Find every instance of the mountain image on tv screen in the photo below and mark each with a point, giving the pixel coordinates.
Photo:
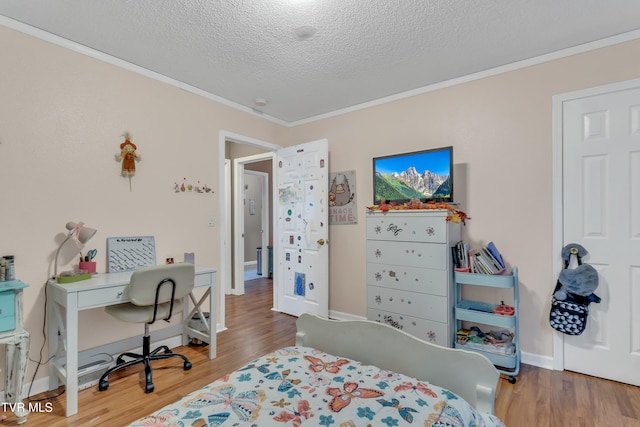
(410, 184)
(425, 175)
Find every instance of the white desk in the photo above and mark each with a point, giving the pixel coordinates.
(65, 300)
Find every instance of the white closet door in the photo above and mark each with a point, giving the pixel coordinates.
(601, 211)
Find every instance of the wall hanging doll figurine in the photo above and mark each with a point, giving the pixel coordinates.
(128, 157)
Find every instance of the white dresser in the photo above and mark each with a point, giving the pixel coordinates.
(409, 273)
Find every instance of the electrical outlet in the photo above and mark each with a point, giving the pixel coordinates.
(211, 222)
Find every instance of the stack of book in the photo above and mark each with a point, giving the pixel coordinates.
(486, 260)
(460, 256)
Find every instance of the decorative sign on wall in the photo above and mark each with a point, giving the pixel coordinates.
(342, 198)
(130, 253)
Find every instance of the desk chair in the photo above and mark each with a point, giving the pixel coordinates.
(156, 293)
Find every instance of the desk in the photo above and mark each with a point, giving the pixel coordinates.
(65, 300)
(16, 353)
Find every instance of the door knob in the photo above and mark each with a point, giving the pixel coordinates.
(322, 241)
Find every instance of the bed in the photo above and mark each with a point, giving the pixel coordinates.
(345, 373)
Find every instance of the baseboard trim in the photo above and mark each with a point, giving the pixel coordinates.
(344, 316)
(537, 360)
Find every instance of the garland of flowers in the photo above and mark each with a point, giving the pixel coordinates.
(455, 215)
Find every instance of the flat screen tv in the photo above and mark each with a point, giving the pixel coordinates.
(426, 175)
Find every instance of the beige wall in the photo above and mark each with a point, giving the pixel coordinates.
(61, 119)
(501, 130)
(62, 114)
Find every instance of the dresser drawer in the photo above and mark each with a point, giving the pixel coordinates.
(430, 227)
(427, 330)
(409, 254)
(102, 297)
(431, 307)
(423, 280)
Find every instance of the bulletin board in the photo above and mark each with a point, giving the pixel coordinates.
(130, 253)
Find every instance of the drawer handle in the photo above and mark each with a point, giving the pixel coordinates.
(120, 293)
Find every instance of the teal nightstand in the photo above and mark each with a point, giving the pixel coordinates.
(8, 306)
(16, 340)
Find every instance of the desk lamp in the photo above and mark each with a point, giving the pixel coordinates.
(79, 232)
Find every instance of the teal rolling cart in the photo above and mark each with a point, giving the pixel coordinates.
(505, 356)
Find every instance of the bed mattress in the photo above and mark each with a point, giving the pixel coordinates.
(302, 386)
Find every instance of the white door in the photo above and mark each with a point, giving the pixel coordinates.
(601, 211)
(301, 260)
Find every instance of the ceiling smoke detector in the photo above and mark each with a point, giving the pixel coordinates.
(260, 102)
(305, 32)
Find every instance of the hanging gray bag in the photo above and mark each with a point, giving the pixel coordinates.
(573, 293)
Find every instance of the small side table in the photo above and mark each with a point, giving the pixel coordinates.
(16, 341)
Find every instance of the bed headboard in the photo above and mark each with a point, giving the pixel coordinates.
(470, 375)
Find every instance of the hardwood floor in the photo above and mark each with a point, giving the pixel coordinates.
(540, 397)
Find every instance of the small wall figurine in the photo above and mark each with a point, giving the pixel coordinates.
(128, 157)
(186, 187)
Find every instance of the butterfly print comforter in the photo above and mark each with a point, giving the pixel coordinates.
(301, 386)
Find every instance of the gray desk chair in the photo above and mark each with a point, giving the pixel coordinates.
(155, 293)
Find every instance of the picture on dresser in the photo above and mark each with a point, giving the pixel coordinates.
(425, 175)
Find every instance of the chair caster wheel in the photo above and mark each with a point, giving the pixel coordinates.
(149, 388)
(103, 385)
(187, 366)
(512, 380)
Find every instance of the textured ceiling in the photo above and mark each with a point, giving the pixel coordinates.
(361, 51)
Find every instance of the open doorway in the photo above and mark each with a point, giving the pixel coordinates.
(232, 146)
(256, 221)
(252, 222)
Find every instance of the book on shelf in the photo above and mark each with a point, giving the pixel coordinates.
(492, 260)
(460, 256)
(479, 265)
(486, 263)
(486, 260)
(491, 247)
(476, 267)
